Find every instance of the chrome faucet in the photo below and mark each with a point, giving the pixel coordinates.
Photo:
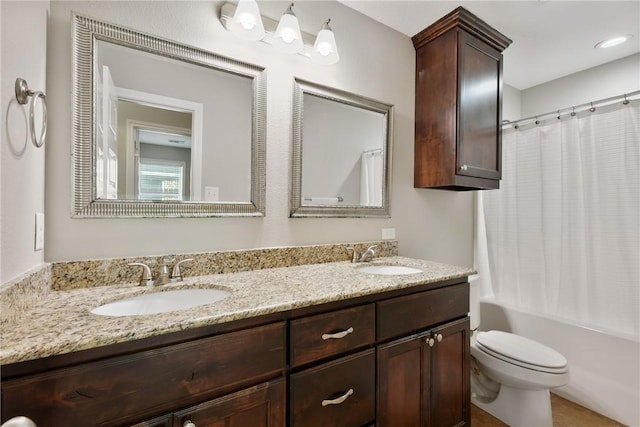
(176, 274)
(366, 255)
(163, 278)
(145, 279)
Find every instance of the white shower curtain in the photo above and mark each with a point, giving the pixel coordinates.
(371, 178)
(563, 232)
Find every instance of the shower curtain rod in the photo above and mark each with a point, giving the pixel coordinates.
(575, 109)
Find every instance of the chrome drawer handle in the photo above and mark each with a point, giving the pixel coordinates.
(338, 400)
(337, 334)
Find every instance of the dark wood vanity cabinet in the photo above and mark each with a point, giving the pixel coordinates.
(399, 358)
(458, 98)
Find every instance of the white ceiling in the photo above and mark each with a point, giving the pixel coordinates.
(551, 39)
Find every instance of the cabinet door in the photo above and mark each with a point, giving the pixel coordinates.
(423, 380)
(450, 392)
(479, 115)
(260, 406)
(403, 382)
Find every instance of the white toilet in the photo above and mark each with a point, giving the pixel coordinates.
(511, 376)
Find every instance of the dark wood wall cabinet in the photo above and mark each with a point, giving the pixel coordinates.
(458, 104)
(399, 358)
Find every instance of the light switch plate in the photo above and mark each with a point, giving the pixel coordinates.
(39, 232)
(388, 233)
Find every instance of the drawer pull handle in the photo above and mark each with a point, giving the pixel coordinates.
(188, 423)
(338, 400)
(337, 334)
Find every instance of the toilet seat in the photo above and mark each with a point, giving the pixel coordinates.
(521, 351)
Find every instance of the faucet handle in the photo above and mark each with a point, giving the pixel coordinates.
(354, 257)
(146, 279)
(176, 274)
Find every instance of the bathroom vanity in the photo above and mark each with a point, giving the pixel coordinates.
(312, 351)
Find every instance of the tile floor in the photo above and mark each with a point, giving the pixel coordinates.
(565, 414)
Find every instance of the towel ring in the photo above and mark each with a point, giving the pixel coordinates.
(23, 93)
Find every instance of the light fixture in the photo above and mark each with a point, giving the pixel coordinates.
(287, 38)
(247, 22)
(613, 41)
(283, 35)
(324, 49)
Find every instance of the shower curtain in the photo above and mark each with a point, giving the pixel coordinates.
(371, 178)
(563, 232)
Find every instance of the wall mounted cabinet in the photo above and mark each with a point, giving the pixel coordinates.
(458, 104)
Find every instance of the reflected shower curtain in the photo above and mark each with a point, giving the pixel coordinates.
(371, 178)
(563, 232)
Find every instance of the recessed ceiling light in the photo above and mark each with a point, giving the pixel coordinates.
(613, 41)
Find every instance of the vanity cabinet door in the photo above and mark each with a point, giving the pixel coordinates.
(423, 379)
(340, 393)
(263, 405)
(450, 372)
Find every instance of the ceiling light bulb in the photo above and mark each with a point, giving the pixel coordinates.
(613, 41)
(287, 37)
(324, 49)
(247, 22)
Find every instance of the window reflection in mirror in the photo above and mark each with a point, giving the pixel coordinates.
(341, 160)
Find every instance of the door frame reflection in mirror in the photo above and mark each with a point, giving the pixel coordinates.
(156, 101)
(331, 205)
(86, 33)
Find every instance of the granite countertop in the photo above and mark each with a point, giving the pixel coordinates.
(62, 322)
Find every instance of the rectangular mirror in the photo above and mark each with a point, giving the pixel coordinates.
(341, 159)
(163, 129)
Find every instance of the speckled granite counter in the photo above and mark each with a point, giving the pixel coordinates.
(62, 323)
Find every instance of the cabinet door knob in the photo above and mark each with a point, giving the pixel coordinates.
(464, 167)
(439, 337)
(188, 423)
(429, 341)
(337, 335)
(336, 401)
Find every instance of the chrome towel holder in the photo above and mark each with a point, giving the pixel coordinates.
(23, 93)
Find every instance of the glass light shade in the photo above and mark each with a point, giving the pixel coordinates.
(287, 38)
(324, 49)
(246, 22)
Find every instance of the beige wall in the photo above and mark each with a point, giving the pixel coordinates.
(376, 62)
(22, 186)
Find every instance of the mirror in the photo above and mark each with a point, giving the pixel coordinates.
(163, 129)
(341, 160)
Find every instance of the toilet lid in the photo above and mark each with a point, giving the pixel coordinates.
(520, 350)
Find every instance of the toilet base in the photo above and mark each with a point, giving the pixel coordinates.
(519, 407)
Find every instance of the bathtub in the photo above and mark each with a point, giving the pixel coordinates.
(604, 367)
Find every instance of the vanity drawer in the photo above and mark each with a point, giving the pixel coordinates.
(338, 393)
(402, 315)
(125, 388)
(316, 337)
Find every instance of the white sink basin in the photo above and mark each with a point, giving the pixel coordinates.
(161, 302)
(390, 270)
